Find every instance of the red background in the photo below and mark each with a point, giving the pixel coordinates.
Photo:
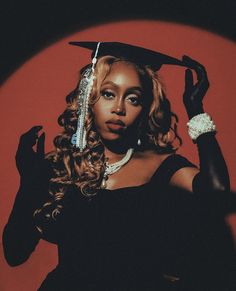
(35, 95)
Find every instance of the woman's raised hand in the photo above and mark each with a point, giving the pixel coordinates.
(194, 93)
(28, 161)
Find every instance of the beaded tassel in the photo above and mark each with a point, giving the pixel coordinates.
(85, 87)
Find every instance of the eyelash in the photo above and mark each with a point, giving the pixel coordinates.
(105, 92)
(134, 100)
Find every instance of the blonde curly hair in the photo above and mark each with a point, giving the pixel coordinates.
(85, 170)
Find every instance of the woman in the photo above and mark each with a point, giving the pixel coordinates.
(106, 193)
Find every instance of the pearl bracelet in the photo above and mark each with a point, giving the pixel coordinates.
(200, 124)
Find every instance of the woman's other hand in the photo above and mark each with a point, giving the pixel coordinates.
(28, 161)
(194, 93)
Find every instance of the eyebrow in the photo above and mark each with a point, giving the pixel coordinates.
(137, 88)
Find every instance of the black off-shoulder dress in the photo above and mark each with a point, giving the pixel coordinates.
(141, 238)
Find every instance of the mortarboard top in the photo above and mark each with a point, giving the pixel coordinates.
(133, 53)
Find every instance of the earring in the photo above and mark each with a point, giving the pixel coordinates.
(139, 142)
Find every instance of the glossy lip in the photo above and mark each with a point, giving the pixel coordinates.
(116, 125)
(116, 121)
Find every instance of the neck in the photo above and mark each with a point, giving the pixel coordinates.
(112, 156)
(115, 150)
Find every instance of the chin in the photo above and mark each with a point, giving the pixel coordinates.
(112, 136)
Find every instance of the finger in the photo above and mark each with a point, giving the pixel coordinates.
(188, 80)
(29, 138)
(191, 62)
(34, 129)
(203, 82)
(40, 148)
(32, 132)
(197, 67)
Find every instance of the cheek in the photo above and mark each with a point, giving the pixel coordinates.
(100, 112)
(134, 113)
(102, 107)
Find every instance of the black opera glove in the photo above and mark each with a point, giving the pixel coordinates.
(26, 157)
(213, 176)
(29, 162)
(35, 171)
(20, 235)
(194, 93)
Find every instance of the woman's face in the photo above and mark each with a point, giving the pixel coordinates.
(119, 105)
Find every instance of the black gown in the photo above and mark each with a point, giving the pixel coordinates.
(148, 237)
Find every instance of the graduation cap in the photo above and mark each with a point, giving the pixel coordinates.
(138, 55)
(125, 51)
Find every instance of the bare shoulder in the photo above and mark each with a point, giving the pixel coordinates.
(151, 158)
(182, 178)
(150, 155)
(138, 171)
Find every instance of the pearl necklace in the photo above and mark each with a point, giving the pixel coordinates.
(113, 168)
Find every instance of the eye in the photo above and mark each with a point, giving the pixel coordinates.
(134, 100)
(107, 94)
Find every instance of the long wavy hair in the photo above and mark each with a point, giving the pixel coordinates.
(85, 170)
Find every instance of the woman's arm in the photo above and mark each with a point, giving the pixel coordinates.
(20, 235)
(213, 174)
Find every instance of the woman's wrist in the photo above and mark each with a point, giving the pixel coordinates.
(200, 124)
(194, 109)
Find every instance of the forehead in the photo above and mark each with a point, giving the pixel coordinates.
(122, 72)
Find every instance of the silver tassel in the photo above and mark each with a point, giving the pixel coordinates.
(85, 87)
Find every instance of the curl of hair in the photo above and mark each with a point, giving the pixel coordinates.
(158, 130)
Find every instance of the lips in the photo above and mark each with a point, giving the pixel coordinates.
(116, 121)
(115, 125)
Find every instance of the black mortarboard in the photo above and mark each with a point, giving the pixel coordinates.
(133, 53)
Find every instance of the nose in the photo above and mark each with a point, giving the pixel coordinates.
(119, 108)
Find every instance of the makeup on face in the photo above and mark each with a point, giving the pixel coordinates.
(120, 101)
